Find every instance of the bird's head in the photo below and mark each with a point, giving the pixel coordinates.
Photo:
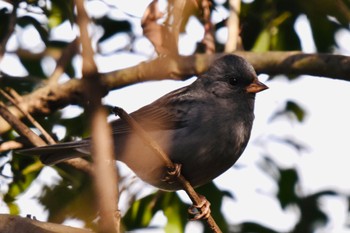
(235, 73)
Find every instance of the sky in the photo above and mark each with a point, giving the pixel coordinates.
(324, 133)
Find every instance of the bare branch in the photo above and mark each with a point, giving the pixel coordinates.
(66, 55)
(105, 176)
(47, 136)
(14, 224)
(20, 128)
(10, 145)
(233, 39)
(208, 39)
(159, 34)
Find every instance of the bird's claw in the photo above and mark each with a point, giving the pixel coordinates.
(172, 174)
(200, 211)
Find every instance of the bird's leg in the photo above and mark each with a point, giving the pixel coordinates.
(200, 211)
(172, 173)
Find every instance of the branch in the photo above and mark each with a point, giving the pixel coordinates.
(50, 98)
(102, 148)
(65, 57)
(208, 41)
(233, 39)
(20, 127)
(14, 101)
(14, 224)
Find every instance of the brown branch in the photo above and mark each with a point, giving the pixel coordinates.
(48, 99)
(10, 145)
(158, 34)
(62, 62)
(20, 128)
(14, 101)
(23, 130)
(14, 224)
(233, 39)
(208, 40)
(195, 198)
(177, 15)
(105, 176)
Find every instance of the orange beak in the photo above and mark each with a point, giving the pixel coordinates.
(256, 86)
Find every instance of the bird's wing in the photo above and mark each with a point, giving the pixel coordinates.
(164, 114)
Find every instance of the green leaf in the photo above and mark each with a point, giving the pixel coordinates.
(25, 170)
(71, 197)
(61, 11)
(291, 108)
(215, 196)
(141, 212)
(262, 42)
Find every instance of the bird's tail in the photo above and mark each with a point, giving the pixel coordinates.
(56, 153)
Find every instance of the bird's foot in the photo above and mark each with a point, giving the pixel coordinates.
(172, 174)
(200, 211)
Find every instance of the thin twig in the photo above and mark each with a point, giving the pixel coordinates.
(195, 198)
(65, 57)
(208, 39)
(47, 136)
(10, 145)
(23, 130)
(20, 128)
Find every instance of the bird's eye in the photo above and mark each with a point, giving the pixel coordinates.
(233, 81)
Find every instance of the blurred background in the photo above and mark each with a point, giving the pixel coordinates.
(293, 176)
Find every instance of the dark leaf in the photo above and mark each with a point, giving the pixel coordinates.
(215, 196)
(251, 227)
(142, 211)
(71, 197)
(291, 108)
(112, 27)
(287, 187)
(4, 25)
(311, 216)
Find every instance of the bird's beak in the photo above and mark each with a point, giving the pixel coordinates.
(256, 86)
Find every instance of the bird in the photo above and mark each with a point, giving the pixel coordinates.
(204, 127)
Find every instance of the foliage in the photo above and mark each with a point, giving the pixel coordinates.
(265, 25)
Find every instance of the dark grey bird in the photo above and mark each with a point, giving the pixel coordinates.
(204, 127)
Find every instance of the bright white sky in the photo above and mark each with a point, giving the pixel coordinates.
(325, 131)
